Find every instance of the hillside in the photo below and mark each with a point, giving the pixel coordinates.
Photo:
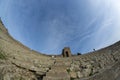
(17, 62)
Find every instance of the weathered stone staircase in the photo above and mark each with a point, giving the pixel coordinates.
(58, 71)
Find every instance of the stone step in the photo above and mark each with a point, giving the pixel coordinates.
(52, 73)
(56, 71)
(59, 61)
(59, 68)
(60, 65)
(55, 78)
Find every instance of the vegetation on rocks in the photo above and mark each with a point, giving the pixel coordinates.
(0, 29)
(68, 70)
(2, 55)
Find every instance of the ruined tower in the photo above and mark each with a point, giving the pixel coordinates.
(66, 52)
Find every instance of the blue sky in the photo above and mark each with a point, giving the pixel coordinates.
(50, 25)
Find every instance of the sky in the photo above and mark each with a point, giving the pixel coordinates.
(48, 26)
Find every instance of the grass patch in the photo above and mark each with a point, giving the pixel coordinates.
(68, 70)
(72, 78)
(0, 29)
(2, 55)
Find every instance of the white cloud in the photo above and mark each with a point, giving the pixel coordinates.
(108, 31)
(103, 29)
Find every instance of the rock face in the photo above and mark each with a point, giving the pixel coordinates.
(17, 62)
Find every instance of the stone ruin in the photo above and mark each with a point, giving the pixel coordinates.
(66, 52)
(21, 63)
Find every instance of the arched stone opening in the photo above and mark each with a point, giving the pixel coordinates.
(66, 52)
